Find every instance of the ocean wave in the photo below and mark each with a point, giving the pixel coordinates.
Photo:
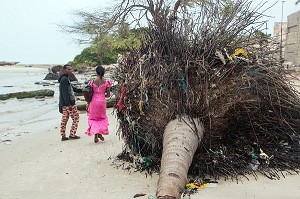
(39, 120)
(17, 114)
(19, 110)
(2, 130)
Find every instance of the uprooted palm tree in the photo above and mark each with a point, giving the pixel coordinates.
(203, 94)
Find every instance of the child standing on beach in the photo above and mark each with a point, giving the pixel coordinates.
(97, 118)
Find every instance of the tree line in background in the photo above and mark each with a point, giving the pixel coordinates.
(108, 33)
(106, 47)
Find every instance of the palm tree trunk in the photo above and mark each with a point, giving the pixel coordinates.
(180, 141)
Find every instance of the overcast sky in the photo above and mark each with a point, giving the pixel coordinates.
(29, 34)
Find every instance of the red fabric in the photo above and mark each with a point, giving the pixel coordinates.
(121, 106)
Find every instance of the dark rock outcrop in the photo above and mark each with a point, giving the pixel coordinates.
(56, 69)
(51, 76)
(27, 94)
(4, 63)
(55, 76)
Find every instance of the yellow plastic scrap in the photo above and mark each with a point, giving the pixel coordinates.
(141, 107)
(194, 186)
(240, 51)
(203, 185)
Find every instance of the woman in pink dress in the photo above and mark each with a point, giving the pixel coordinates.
(97, 118)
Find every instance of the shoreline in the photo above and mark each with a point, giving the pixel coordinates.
(36, 164)
(39, 165)
(43, 66)
(30, 66)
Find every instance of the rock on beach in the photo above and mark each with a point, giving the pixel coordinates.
(28, 94)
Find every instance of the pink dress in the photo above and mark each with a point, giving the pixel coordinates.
(97, 118)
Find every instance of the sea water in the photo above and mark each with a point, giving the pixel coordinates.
(30, 114)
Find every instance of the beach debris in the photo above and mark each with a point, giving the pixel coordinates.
(254, 164)
(201, 61)
(136, 162)
(21, 132)
(265, 157)
(139, 195)
(195, 184)
(7, 142)
(4, 134)
(186, 196)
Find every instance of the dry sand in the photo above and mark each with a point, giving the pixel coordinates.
(38, 165)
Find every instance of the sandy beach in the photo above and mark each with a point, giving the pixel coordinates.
(39, 165)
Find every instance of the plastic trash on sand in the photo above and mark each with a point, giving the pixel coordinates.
(254, 164)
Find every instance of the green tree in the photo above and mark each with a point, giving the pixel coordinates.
(88, 57)
(259, 33)
(105, 48)
(108, 30)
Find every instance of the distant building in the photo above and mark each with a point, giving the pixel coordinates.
(277, 34)
(292, 46)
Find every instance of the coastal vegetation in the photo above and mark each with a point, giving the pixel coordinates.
(107, 46)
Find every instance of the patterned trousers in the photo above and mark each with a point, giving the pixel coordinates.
(66, 113)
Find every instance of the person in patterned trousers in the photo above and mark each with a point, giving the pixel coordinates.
(67, 104)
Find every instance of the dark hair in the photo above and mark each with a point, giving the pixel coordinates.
(66, 65)
(100, 71)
